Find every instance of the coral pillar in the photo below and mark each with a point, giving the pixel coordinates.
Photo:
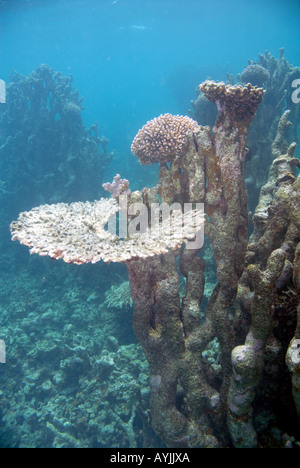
(158, 326)
(226, 200)
(270, 253)
(209, 171)
(293, 352)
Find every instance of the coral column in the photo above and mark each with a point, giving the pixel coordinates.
(271, 252)
(226, 201)
(158, 326)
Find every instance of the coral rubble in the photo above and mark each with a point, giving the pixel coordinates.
(69, 384)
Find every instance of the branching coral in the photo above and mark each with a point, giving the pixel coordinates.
(119, 297)
(47, 153)
(163, 138)
(117, 187)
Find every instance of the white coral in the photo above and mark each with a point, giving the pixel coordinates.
(76, 233)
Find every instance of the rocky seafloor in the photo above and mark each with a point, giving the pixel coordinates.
(74, 374)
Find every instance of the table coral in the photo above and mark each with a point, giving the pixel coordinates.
(76, 233)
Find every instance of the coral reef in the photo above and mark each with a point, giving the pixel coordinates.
(276, 76)
(76, 233)
(163, 327)
(44, 141)
(269, 264)
(277, 98)
(211, 372)
(47, 153)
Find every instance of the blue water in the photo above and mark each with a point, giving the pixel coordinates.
(127, 56)
(74, 369)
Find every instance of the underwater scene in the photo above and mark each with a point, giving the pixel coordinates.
(149, 224)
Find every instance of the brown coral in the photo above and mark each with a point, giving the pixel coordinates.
(238, 101)
(163, 138)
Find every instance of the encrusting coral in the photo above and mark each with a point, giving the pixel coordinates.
(192, 403)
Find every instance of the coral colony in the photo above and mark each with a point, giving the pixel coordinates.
(193, 404)
(41, 125)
